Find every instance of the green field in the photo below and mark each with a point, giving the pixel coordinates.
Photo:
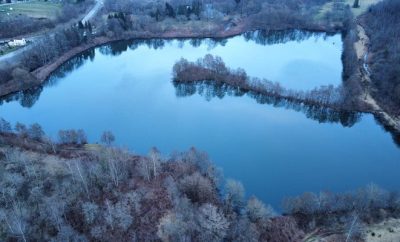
(35, 9)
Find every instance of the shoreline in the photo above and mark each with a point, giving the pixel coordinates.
(41, 74)
(361, 48)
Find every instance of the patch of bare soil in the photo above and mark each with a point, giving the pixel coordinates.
(361, 47)
(387, 231)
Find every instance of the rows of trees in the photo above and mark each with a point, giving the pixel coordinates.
(382, 24)
(159, 15)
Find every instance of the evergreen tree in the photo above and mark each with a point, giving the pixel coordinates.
(169, 10)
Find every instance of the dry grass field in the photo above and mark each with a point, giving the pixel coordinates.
(34, 9)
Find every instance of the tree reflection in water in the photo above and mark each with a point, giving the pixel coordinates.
(209, 90)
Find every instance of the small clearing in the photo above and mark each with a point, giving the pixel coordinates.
(364, 5)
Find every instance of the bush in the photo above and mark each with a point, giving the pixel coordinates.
(198, 188)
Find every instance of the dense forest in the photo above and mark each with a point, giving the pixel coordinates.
(69, 190)
(72, 189)
(382, 24)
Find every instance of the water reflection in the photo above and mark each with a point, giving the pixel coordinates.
(269, 37)
(28, 98)
(211, 90)
(70, 66)
(261, 37)
(133, 96)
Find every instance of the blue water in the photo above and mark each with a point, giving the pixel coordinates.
(275, 151)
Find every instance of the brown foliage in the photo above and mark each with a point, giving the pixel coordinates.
(282, 229)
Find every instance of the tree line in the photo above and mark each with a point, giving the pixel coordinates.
(73, 191)
(210, 90)
(159, 15)
(382, 25)
(142, 18)
(347, 211)
(43, 51)
(212, 68)
(16, 25)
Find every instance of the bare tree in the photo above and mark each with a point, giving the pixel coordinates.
(172, 227)
(234, 196)
(107, 137)
(353, 228)
(257, 211)
(35, 132)
(213, 225)
(154, 157)
(144, 168)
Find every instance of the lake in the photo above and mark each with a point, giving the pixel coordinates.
(275, 150)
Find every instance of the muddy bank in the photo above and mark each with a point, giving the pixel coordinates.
(42, 73)
(361, 47)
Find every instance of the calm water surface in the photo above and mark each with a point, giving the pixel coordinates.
(274, 151)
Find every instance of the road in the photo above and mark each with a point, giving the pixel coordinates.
(17, 53)
(99, 4)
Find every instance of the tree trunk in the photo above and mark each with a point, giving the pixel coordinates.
(356, 4)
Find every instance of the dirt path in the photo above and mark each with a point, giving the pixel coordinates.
(361, 47)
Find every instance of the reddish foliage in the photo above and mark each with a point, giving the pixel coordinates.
(282, 229)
